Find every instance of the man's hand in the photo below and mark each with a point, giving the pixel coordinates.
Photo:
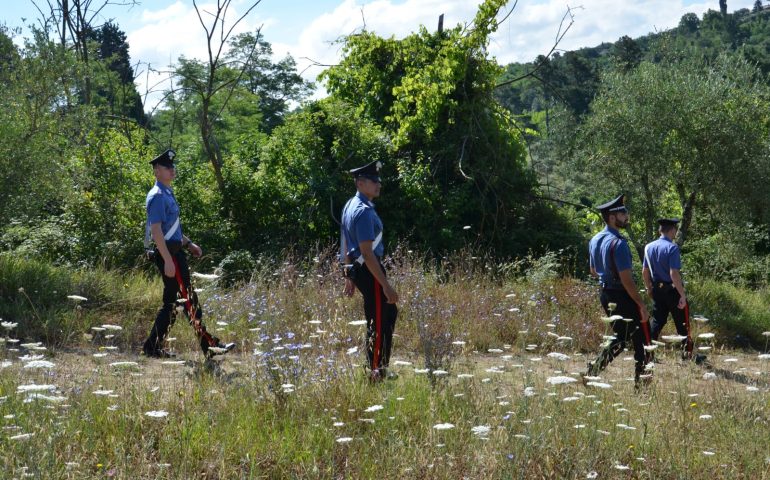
(195, 250)
(350, 288)
(682, 302)
(390, 294)
(169, 269)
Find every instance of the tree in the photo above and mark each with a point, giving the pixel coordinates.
(627, 53)
(757, 6)
(689, 133)
(689, 23)
(213, 83)
(460, 156)
(274, 84)
(119, 93)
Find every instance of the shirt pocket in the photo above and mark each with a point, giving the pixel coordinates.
(172, 211)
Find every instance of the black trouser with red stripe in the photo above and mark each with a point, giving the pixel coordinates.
(634, 331)
(172, 287)
(380, 318)
(666, 300)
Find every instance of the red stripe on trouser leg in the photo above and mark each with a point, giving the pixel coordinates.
(687, 324)
(645, 327)
(196, 324)
(377, 324)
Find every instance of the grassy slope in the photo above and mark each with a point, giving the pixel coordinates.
(239, 419)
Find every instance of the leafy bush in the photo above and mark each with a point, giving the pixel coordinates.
(236, 267)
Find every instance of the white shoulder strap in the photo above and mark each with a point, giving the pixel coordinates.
(375, 244)
(649, 263)
(168, 235)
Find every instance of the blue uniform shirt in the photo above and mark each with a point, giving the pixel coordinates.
(162, 208)
(660, 257)
(359, 223)
(601, 260)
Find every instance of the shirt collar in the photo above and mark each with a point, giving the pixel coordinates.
(164, 188)
(612, 231)
(665, 238)
(363, 198)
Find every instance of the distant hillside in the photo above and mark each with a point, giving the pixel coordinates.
(572, 78)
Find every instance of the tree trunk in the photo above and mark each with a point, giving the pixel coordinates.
(688, 204)
(210, 144)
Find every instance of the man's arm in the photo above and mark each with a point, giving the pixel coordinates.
(350, 287)
(192, 247)
(628, 283)
(374, 267)
(160, 244)
(676, 278)
(647, 277)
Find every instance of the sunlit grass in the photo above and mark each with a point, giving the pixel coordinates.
(503, 398)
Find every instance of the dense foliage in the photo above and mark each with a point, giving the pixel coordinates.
(255, 175)
(676, 119)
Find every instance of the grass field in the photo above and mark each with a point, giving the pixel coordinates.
(292, 401)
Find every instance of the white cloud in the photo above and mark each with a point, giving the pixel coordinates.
(529, 31)
(176, 31)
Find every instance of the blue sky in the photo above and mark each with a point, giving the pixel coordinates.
(159, 31)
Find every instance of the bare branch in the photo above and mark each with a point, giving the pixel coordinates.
(559, 37)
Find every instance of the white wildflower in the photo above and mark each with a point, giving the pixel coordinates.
(709, 376)
(558, 356)
(205, 276)
(481, 430)
(40, 364)
(9, 325)
(673, 338)
(402, 363)
(529, 392)
(77, 298)
(599, 385)
(706, 336)
(48, 398)
(124, 364)
(357, 322)
(343, 440)
(374, 408)
(443, 426)
(559, 380)
(705, 417)
(157, 413)
(35, 388)
(22, 436)
(109, 326)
